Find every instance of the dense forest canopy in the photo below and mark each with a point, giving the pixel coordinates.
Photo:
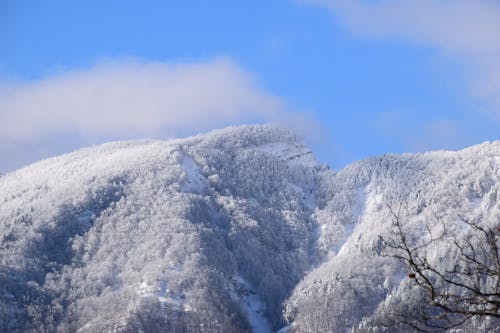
(237, 230)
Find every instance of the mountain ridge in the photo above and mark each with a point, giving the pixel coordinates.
(220, 231)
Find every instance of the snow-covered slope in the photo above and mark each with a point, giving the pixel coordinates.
(155, 236)
(355, 286)
(236, 230)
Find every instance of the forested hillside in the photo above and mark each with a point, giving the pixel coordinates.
(237, 230)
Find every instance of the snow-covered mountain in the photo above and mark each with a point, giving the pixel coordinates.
(237, 230)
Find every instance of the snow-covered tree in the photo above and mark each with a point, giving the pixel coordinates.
(463, 285)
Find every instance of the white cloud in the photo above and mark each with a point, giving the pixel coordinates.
(128, 99)
(467, 30)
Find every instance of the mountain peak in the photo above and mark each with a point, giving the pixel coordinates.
(225, 230)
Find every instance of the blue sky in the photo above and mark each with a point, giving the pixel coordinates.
(357, 78)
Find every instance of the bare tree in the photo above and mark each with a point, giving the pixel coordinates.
(463, 285)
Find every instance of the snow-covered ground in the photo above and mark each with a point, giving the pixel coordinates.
(115, 237)
(253, 305)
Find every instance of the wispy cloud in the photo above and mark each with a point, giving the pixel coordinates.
(128, 99)
(466, 30)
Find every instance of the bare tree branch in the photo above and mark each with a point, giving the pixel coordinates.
(471, 288)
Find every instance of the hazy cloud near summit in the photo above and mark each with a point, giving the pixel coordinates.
(466, 30)
(128, 99)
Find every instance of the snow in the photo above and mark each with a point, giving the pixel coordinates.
(293, 153)
(420, 188)
(285, 329)
(195, 182)
(361, 203)
(162, 294)
(101, 224)
(253, 305)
